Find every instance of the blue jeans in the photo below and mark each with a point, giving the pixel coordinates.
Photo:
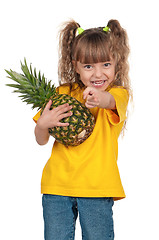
(60, 214)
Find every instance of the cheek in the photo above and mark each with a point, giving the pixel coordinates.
(84, 77)
(112, 75)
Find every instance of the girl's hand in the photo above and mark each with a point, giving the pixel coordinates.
(51, 118)
(92, 97)
(97, 98)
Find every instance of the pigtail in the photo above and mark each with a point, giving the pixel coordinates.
(120, 48)
(120, 36)
(67, 35)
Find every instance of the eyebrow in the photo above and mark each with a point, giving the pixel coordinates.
(108, 61)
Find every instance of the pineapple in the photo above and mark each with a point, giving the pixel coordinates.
(35, 90)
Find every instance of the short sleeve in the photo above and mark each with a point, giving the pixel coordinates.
(36, 117)
(121, 97)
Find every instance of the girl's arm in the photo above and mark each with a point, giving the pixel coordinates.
(49, 119)
(42, 135)
(97, 98)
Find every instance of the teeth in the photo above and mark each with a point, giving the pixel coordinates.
(98, 83)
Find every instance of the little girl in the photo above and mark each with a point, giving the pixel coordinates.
(85, 179)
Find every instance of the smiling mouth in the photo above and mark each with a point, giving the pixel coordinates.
(99, 83)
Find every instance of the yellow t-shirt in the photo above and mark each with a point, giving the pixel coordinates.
(90, 169)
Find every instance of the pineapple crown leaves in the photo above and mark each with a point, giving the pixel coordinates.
(33, 87)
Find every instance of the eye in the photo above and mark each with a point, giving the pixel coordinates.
(107, 64)
(87, 66)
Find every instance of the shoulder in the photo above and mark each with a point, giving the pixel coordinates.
(67, 88)
(119, 92)
(118, 89)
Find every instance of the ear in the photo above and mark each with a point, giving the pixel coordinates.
(75, 66)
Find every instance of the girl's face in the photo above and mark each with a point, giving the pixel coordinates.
(97, 75)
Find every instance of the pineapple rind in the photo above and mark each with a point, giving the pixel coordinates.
(77, 123)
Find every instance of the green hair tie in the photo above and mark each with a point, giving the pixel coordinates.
(80, 30)
(106, 29)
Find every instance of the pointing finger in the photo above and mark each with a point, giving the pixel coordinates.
(87, 92)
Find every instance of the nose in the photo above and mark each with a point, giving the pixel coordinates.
(98, 72)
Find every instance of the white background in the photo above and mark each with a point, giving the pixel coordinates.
(29, 29)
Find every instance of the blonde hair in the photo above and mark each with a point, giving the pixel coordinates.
(92, 46)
